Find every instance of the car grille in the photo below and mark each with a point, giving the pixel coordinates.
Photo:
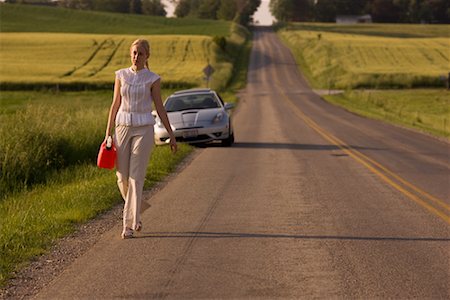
(201, 137)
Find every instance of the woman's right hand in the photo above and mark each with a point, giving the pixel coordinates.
(173, 145)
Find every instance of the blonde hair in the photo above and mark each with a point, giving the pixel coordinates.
(145, 44)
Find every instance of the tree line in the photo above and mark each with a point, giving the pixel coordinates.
(383, 11)
(239, 11)
(147, 7)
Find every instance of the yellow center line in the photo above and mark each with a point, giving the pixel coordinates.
(366, 161)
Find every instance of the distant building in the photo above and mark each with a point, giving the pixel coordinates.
(352, 19)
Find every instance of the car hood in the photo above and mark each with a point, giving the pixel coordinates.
(193, 118)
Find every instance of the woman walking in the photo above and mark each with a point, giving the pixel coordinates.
(135, 89)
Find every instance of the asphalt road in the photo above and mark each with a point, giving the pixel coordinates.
(311, 202)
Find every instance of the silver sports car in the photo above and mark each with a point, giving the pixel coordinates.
(196, 116)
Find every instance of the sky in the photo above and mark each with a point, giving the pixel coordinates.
(262, 16)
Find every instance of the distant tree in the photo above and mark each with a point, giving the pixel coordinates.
(385, 11)
(237, 10)
(34, 2)
(325, 11)
(410, 11)
(435, 11)
(208, 9)
(303, 11)
(121, 6)
(182, 8)
(291, 10)
(153, 7)
(227, 10)
(282, 10)
(350, 7)
(186, 8)
(413, 11)
(135, 7)
(77, 4)
(246, 12)
(403, 10)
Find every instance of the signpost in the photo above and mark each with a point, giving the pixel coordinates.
(208, 71)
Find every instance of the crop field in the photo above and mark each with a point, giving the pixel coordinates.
(51, 58)
(365, 58)
(425, 109)
(32, 18)
(377, 29)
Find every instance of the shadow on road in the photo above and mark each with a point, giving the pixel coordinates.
(226, 235)
(291, 146)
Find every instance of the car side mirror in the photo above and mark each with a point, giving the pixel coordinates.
(229, 106)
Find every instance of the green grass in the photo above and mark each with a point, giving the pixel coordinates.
(48, 147)
(426, 110)
(49, 179)
(31, 18)
(30, 222)
(44, 132)
(346, 57)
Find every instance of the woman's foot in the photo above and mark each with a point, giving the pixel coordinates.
(138, 226)
(127, 233)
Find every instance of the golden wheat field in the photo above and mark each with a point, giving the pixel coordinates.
(349, 60)
(67, 58)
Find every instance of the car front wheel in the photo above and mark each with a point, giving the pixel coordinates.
(228, 141)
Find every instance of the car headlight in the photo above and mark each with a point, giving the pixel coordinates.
(218, 118)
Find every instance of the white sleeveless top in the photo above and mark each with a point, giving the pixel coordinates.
(136, 106)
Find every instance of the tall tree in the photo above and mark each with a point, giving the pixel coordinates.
(227, 10)
(385, 11)
(135, 7)
(435, 11)
(153, 7)
(121, 6)
(77, 4)
(282, 10)
(186, 8)
(245, 10)
(291, 10)
(403, 9)
(350, 7)
(182, 8)
(208, 9)
(325, 11)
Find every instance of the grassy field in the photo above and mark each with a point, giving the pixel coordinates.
(50, 137)
(377, 29)
(71, 49)
(392, 60)
(49, 181)
(31, 18)
(30, 222)
(372, 56)
(94, 58)
(427, 110)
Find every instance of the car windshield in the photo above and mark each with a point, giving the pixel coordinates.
(186, 102)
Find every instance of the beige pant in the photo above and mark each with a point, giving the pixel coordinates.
(134, 145)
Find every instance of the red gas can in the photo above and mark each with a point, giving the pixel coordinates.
(107, 155)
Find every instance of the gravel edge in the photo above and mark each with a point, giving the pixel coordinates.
(42, 270)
